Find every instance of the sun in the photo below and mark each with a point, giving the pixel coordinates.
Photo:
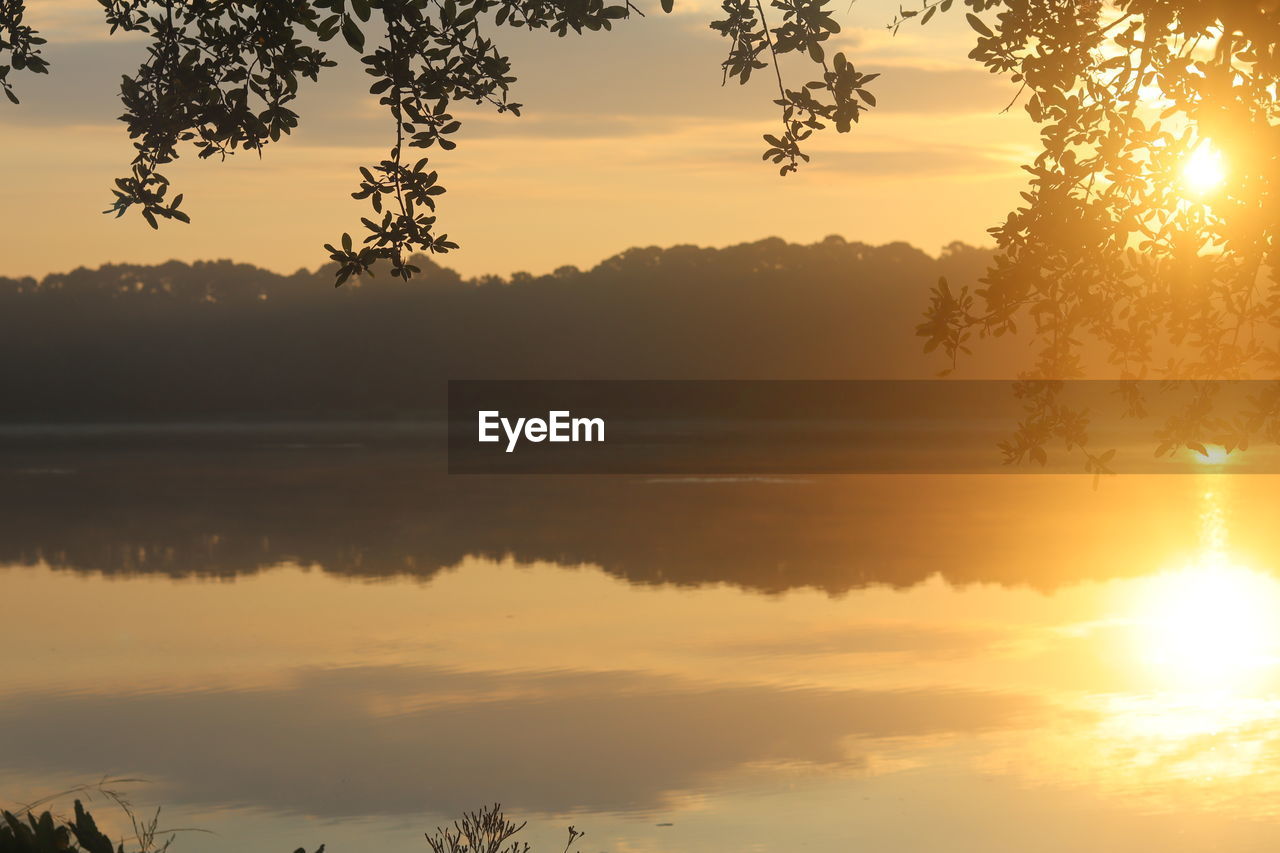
(1205, 170)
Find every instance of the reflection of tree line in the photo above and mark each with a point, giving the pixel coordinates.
(382, 513)
(226, 340)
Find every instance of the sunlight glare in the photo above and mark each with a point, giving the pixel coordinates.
(1214, 624)
(1215, 454)
(1211, 625)
(1205, 170)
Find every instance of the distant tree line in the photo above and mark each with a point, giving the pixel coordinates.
(224, 341)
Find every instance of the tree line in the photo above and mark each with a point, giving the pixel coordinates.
(225, 341)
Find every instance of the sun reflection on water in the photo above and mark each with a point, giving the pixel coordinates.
(1206, 640)
(1212, 626)
(1193, 722)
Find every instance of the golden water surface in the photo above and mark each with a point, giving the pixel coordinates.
(951, 664)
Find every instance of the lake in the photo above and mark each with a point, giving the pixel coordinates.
(298, 639)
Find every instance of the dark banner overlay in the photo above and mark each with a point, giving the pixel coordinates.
(847, 427)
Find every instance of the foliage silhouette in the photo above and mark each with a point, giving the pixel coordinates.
(486, 830)
(1110, 243)
(1117, 245)
(222, 77)
(44, 834)
(1148, 231)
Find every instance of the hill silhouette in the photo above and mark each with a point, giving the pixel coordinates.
(226, 341)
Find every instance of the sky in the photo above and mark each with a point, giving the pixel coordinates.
(627, 138)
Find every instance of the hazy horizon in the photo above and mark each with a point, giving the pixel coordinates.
(445, 262)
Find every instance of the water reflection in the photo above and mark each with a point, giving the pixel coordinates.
(389, 513)
(995, 664)
(1210, 626)
(399, 740)
(1204, 640)
(1214, 624)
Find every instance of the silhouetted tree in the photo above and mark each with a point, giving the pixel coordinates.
(1127, 93)
(1148, 228)
(1147, 236)
(222, 75)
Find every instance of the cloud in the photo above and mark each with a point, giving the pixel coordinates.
(81, 88)
(649, 77)
(926, 640)
(393, 740)
(922, 160)
(916, 90)
(66, 20)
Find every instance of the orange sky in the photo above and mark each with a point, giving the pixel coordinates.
(627, 139)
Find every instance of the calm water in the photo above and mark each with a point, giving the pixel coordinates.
(299, 642)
